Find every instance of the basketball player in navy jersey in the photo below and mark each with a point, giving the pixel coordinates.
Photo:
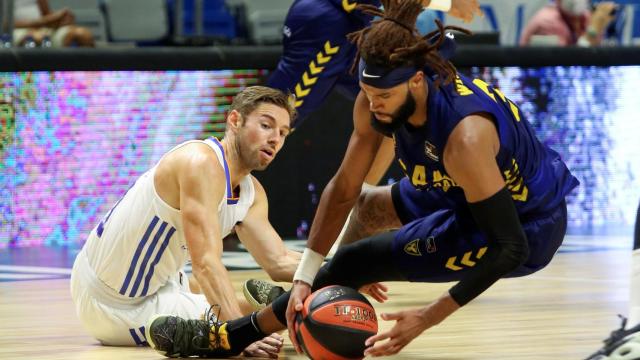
(317, 55)
(130, 267)
(316, 59)
(483, 199)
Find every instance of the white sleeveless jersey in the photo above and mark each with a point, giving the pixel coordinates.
(140, 243)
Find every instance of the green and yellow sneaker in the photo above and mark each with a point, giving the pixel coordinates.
(173, 336)
(260, 293)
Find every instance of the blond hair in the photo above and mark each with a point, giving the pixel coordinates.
(251, 97)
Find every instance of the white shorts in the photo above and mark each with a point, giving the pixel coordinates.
(118, 320)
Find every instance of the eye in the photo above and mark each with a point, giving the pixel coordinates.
(265, 126)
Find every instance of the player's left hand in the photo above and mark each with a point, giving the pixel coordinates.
(378, 291)
(465, 9)
(409, 324)
(269, 347)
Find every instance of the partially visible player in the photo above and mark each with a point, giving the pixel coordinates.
(178, 211)
(624, 343)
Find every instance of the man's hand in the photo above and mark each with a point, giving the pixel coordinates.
(465, 9)
(377, 291)
(409, 324)
(299, 292)
(269, 347)
(59, 18)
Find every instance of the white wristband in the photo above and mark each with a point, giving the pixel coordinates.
(442, 5)
(309, 266)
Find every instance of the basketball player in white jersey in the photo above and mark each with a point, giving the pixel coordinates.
(178, 211)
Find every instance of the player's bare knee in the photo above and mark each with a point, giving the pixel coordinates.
(361, 211)
(374, 210)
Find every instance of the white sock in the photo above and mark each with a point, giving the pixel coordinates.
(634, 286)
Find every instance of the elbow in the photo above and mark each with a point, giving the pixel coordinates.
(203, 269)
(282, 268)
(278, 274)
(515, 256)
(199, 272)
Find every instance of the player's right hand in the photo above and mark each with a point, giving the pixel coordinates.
(299, 292)
(378, 291)
(269, 347)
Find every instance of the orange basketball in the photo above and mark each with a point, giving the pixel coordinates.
(334, 324)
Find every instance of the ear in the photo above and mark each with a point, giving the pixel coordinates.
(417, 80)
(234, 120)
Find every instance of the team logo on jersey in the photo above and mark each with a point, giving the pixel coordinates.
(286, 31)
(412, 248)
(431, 245)
(431, 151)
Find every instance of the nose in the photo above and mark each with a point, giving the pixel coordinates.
(374, 105)
(275, 139)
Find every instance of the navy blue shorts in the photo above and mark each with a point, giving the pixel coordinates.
(316, 55)
(440, 241)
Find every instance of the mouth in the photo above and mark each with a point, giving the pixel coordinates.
(268, 153)
(382, 117)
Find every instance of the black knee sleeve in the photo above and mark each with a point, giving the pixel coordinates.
(279, 306)
(362, 262)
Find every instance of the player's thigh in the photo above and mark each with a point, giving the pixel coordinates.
(411, 204)
(446, 244)
(438, 248)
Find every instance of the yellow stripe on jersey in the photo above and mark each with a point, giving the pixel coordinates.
(310, 76)
(349, 7)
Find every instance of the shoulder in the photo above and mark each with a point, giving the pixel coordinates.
(199, 156)
(195, 161)
(474, 135)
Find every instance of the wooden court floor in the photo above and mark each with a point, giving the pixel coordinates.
(562, 312)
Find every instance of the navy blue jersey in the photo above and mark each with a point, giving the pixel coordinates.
(349, 6)
(534, 173)
(316, 53)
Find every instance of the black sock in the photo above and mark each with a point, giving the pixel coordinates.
(279, 306)
(243, 332)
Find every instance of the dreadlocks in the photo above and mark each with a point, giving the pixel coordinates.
(392, 40)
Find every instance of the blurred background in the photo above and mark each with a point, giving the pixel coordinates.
(93, 92)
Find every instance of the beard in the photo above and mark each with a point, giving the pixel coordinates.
(398, 118)
(249, 157)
